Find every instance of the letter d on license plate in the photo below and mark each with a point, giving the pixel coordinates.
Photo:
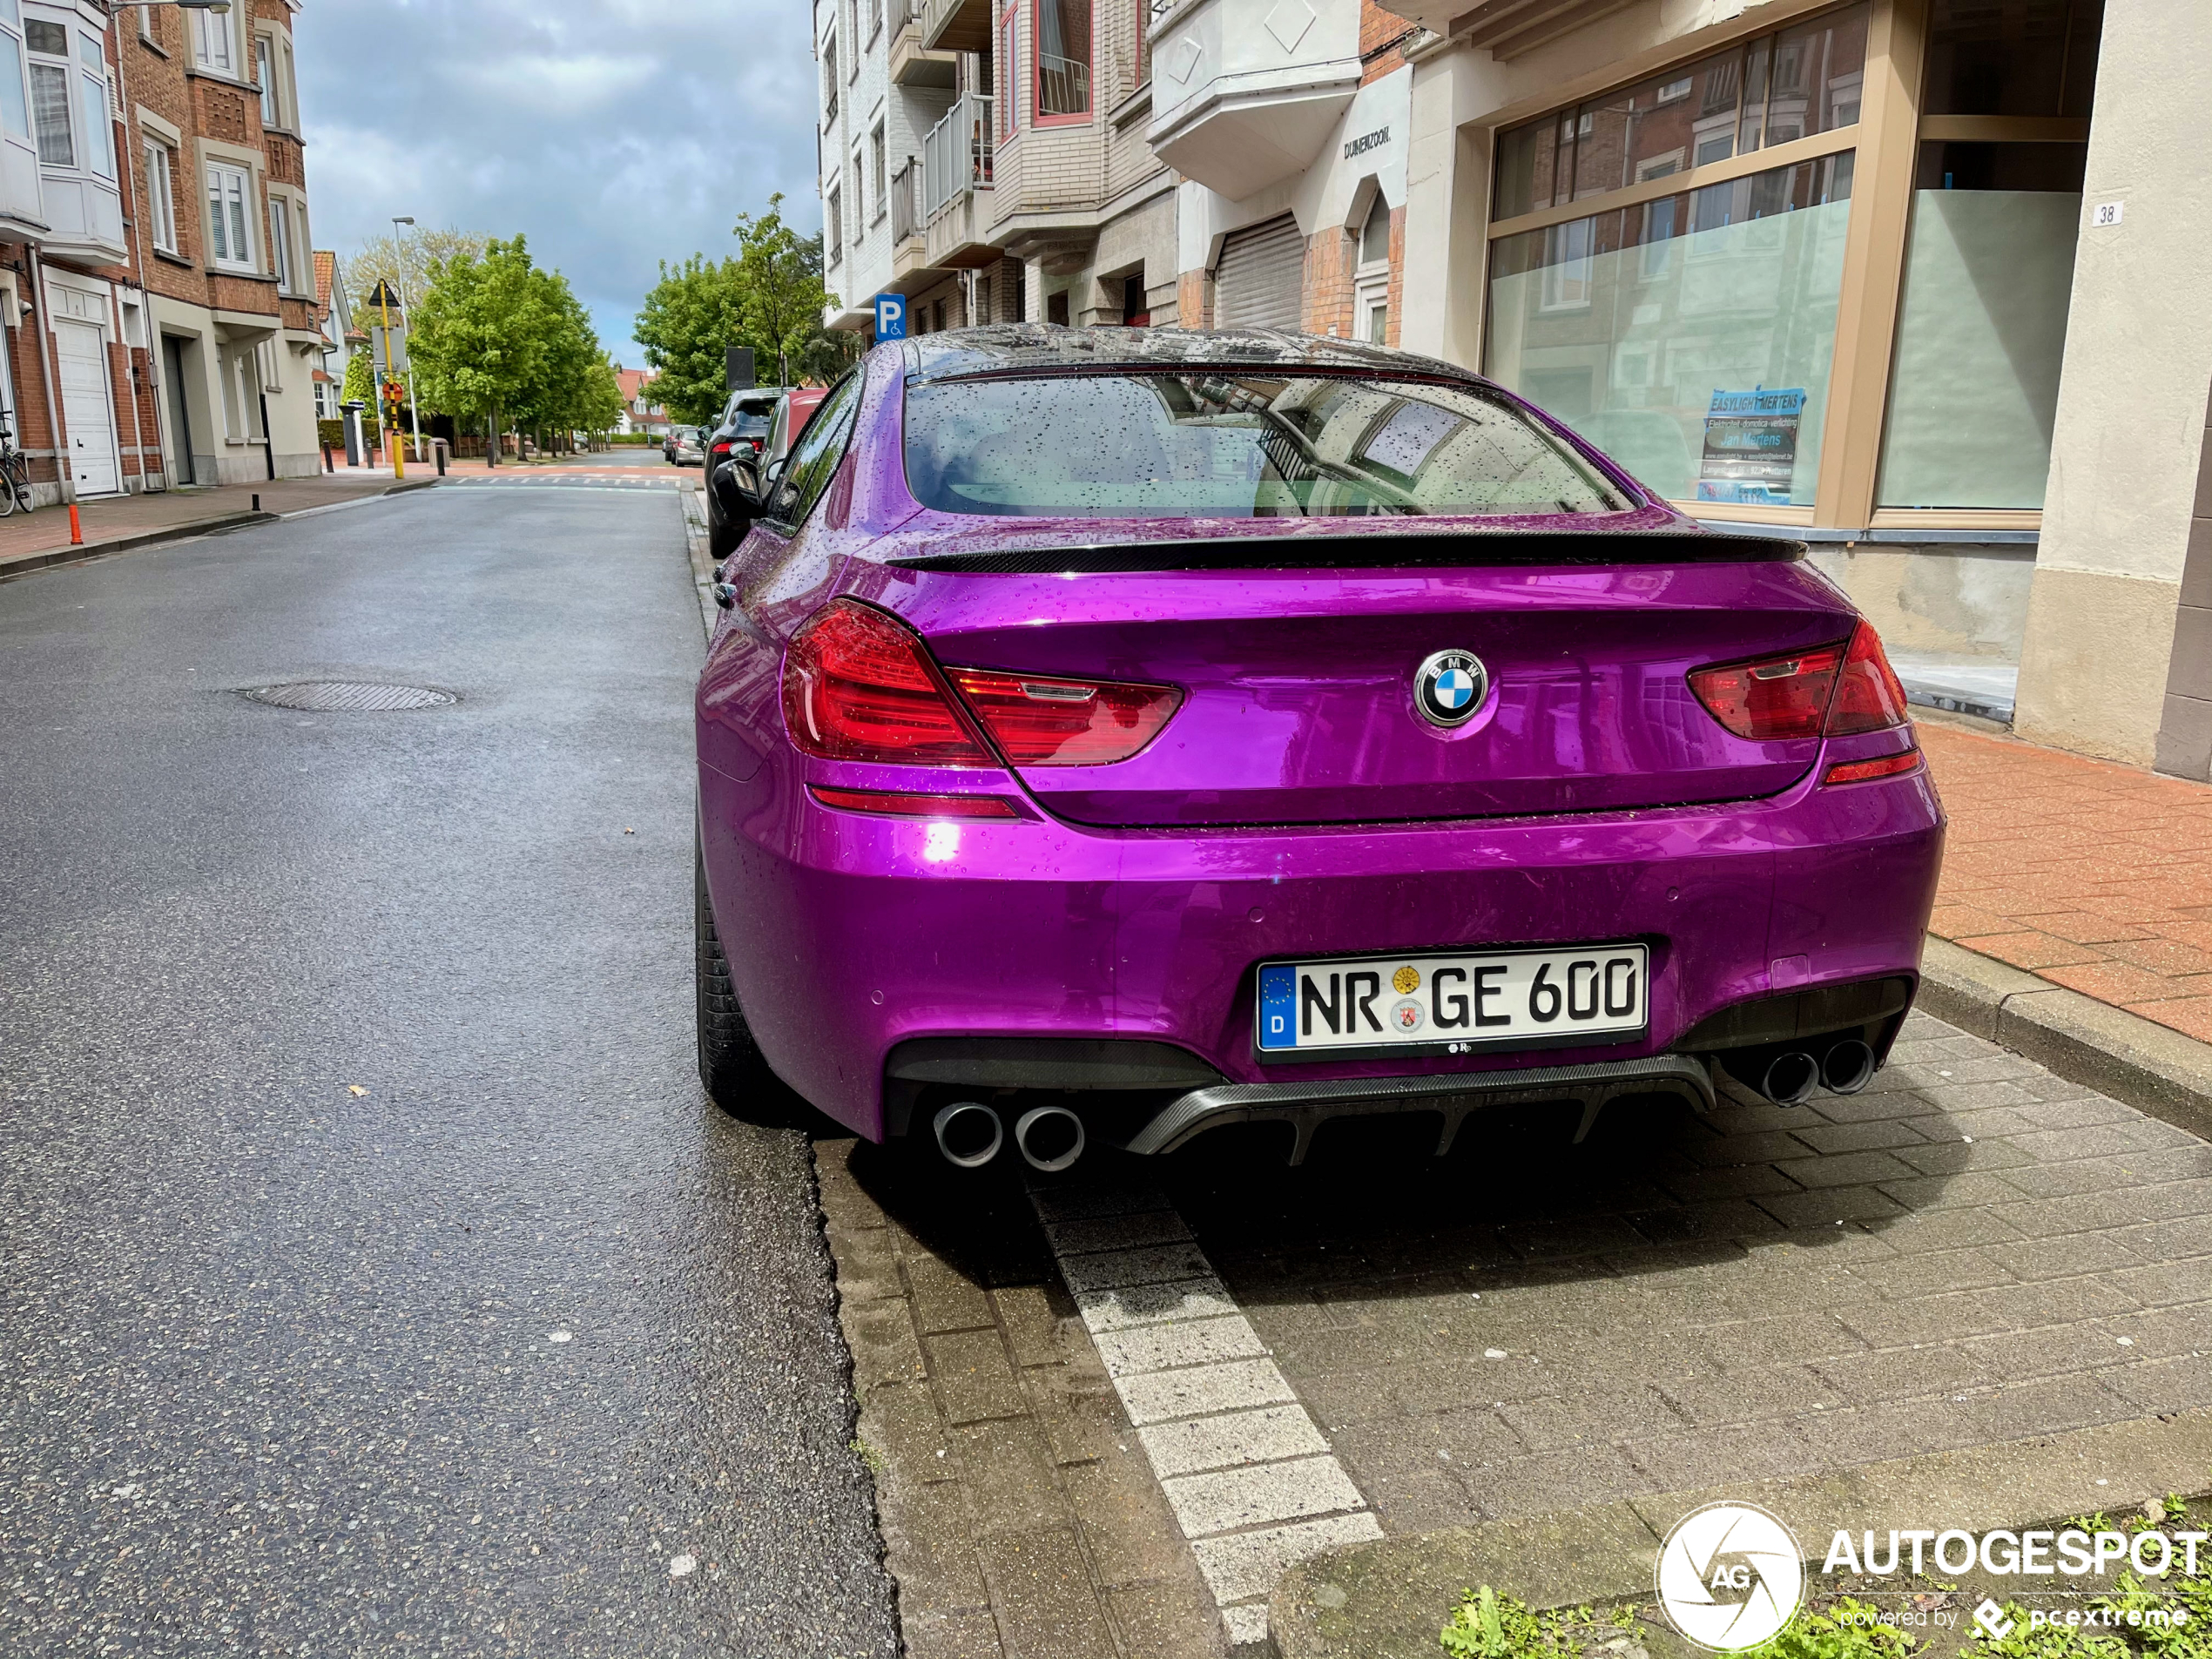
(1593, 993)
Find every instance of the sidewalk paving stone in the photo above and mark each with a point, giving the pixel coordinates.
(2093, 875)
(1990, 1261)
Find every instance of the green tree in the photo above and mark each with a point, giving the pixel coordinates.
(404, 261)
(780, 278)
(692, 313)
(484, 333)
(360, 379)
(571, 387)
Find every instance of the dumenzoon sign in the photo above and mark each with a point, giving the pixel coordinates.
(1730, 1574)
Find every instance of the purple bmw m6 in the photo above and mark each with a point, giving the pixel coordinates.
(1115, 734)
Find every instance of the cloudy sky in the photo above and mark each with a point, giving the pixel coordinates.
(613, 133)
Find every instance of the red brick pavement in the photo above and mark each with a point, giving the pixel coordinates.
(2094, 875)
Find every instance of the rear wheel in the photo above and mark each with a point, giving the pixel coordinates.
(730, 1061)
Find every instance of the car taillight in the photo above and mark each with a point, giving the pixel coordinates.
(858, 686)
(1859, 772)
(886, 803)
(1869, 699)
(722, 449)
(1041, 721)
(1831, 689)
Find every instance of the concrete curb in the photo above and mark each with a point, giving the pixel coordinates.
(1388, 1600)
(2151, 1067)
(47, 558)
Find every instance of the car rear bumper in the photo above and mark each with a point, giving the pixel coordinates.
(851, 934)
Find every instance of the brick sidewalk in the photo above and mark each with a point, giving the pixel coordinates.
(2091, 874)
(124, 516)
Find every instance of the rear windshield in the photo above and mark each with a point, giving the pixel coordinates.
(1234, 446)
(754, 423)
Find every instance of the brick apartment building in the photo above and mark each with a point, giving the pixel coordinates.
(161, 323)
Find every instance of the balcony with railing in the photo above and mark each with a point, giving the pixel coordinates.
(956, 25)
(911, 63)
(1246, 92)
(956, 164)
(909, 250)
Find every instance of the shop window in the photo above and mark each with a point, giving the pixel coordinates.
(1805, 80)
(2029, 57)
(1063, 59)
(1690, 338)
(1981, 326)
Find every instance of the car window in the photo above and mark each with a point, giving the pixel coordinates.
(1236, 444)
(814, 457)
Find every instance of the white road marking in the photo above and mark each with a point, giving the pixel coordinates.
(1248, 1472)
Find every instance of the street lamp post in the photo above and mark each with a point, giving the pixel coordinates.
(407, 311)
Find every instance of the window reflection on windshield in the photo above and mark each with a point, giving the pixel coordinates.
(1234, 446)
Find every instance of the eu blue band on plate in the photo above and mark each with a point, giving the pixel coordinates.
(1278, 1008)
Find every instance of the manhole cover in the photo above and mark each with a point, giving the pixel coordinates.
(348, 697)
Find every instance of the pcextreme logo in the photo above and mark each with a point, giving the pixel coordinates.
(1730, 1576)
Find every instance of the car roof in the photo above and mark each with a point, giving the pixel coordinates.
(1013, 348)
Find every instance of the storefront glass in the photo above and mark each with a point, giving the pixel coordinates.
(1982, 327)
(1806, 80)
(1690, 338)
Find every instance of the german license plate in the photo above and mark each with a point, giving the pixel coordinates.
(1594, 992)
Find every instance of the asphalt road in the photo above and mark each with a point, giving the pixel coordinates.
(374, 1275)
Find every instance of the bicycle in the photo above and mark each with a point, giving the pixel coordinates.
(15, 475)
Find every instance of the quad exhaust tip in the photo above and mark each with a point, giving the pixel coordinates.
(1847, 1068)
(1050, 1138)
(969, 1134)
(1792, 1078)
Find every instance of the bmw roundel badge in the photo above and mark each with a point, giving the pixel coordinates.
(1449, 688)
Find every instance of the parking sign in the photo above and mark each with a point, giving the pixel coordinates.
(890, 317)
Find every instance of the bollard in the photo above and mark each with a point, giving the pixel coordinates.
(76, 527)
(257, 503)
(438, 448)
(326, 465)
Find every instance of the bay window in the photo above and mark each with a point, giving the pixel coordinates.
(49, 101)
(99, 131)
(281, 254)
(1063, 59)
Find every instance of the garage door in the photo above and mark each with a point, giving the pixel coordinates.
(1256, 286)
(81, 365)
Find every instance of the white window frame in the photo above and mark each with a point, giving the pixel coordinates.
(210, 31)
(66, 66)
(98, 132)
(220, 253)
(161, 194)
(878, 157)
(283, 244)
(265, 77)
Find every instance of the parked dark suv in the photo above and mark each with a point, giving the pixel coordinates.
(739, 435)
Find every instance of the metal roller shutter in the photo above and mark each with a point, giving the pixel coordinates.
(1256, 286)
